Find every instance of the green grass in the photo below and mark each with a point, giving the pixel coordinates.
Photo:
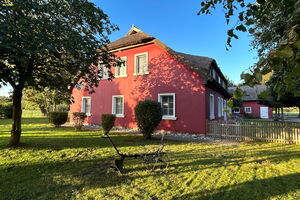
(31, 114)
(59, 163)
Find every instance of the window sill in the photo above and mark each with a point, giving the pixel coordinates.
(121, 76)
(120, 115)
(141, 74)
(169, 118)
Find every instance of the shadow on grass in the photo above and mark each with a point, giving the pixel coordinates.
(57, 180)
(256, 189)
(185, 162)
(37, 120)
(78, 141)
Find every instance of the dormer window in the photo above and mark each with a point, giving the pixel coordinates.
(141, 63)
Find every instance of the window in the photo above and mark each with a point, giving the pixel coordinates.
(236, 111)
(86, 105)
(219, 79)
(167, 102)
(224, 107)
(104, 72)
(248, 110)
(121, 71)
(211, 73)
(219, 107)
(79, 86)
(141, 63)
(118, 105)
(212, 106)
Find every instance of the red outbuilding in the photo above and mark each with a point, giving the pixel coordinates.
(251, 108)
(191, 89)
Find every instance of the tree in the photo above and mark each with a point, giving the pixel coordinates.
(236, 102)
(53, 44)
(230, 82)
(45, 100)
(268, 98)
(275, 27)
(4, 99)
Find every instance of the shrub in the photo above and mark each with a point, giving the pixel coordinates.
(147, 115)
(57, 118)
(79, 118)
(107, 122)
(6, 109)
(62, 108)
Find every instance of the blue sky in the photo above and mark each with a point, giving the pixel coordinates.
(177, 24)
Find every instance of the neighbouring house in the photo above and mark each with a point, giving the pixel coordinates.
(251, 108)
(191, 89)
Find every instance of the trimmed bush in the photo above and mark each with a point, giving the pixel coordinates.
(58, 118)
(6, 109)
(147, 115)
(78, 118)
(107, 122)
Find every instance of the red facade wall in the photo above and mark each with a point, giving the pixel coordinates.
(166, 75)
(255, 107)
(217, 95)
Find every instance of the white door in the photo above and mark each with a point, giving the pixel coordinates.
(264, 114)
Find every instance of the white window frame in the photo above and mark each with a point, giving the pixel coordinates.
(214, 74)
(225, 108)
(236, 112)
(248, 107)
(124, 59)
(222, 106)
(113, 111)
(83, 106)
(135, 64)
(212, 106)
(169, 117)
(104, 71)
(219, 107)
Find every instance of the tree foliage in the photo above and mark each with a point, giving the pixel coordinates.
(275, 27)
(46, 100)
(230, 82)
(51, 44)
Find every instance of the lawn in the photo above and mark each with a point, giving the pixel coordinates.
(59, 163)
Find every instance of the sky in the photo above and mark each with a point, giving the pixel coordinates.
(176, 23)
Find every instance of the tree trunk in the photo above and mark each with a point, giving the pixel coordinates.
(17, 115)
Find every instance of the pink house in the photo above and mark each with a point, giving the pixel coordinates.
(191, 89)
(251, 108)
